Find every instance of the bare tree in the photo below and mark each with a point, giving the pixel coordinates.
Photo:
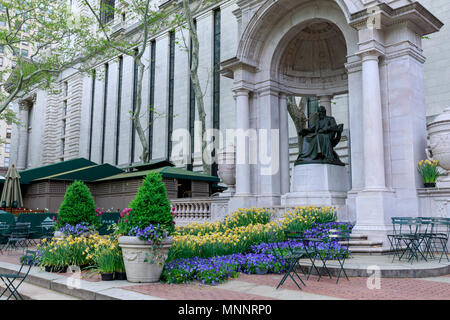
(149, 20)
(297, 113)
(186, 19)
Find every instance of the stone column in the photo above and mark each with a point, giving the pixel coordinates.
(326, 102)
(284, 145)
(243, 187)
(374, 176)
(375, 201)
(268, 168)
(23, 135)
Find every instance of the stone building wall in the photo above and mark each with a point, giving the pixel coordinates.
(46, 143)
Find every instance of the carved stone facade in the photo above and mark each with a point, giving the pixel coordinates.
(364, 59)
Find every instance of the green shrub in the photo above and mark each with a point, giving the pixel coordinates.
(78, 206)
(150, 206)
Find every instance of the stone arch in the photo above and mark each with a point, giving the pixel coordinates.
(310, 59)
(273, 20)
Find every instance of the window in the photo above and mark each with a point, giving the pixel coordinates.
(191, 113)
(66, 88)
(6, 164)
(152, 97)
(63, 145)
(24, 52)
(8, 133)
(1, 48)
(1, 61)
(216, 84)
(133, 131)
(105, 103)
(171, 89)
(119, 104)
(92, 113)
(7, 148)
(107, 11)
(184, 188)
(63, 129)
(64, 108)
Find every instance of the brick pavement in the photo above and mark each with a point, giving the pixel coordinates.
(356, 288)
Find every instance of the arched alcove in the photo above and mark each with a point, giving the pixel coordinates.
(312, 59)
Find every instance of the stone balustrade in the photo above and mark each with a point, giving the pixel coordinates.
(189, 210)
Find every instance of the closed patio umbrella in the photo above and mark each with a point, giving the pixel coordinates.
(11, 195)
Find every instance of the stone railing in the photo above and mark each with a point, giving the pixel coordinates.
(189, 210)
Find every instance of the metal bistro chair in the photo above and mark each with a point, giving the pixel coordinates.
(402, 238)
(343, 238)
(411, 238)
(19, 236)
(4, 234)
(291, 256)
(9, 278)
(442, 235)
(427, 235)
(48, 229)
(324, 252)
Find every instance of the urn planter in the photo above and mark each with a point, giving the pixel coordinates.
(439, 145)
(227, 167)
(142, 262)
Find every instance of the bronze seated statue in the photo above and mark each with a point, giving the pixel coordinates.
(319, 141)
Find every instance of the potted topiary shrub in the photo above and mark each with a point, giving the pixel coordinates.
(77, 211)
(145, 230)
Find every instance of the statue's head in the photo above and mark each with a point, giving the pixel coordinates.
(322, 112)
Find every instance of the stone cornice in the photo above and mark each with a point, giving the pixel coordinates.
(228, 67)
(425, 21)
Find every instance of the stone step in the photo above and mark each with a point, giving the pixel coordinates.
(358, 236)
(375, 250)
(364, 243)
(74, 287)
(33, 292)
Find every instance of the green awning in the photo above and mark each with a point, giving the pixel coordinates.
(26, 176)
(90, 173)
(167, 172)
(152, 164)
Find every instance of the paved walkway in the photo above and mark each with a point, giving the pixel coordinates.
(246, 287)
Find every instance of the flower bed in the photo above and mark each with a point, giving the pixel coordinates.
(76, 250)
(218, 269)
(208, 252)
(211, 239)
(260, 257)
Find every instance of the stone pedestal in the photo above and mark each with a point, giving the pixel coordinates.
(318, 185)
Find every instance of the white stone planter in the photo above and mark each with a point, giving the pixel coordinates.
(227, 167)
(439, 144)
(142, 263)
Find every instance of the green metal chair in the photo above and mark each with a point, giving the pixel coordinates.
(35, 220)
(324, 253)
(4, 235)
(9, 278)
(343, 238)
(290, 255)
(412, 239)
(442, 235)
(18, 237)
(427, 234)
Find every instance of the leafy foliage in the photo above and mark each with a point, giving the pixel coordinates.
(78, 206)
(151, 206)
